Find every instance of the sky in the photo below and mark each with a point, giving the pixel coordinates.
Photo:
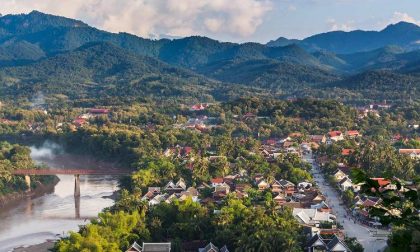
(226, 20)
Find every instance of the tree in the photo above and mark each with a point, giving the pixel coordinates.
(398, 208)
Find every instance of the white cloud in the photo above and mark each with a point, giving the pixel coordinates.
(149, 18)
(401, 16)
(336, 26)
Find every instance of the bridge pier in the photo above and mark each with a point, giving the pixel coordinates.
(76, 185)
(77, 207)
(28, 182)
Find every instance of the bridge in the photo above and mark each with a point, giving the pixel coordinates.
(75, 172)
(70, 172)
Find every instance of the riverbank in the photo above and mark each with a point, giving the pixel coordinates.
(43, 247)
(16, 197)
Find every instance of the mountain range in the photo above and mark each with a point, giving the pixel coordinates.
(62, 56)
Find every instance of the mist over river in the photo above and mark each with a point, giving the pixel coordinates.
(33, 221)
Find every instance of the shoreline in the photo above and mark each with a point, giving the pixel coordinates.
(42, 247)
(16, 197)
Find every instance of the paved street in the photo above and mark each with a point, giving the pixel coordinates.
(362, 233)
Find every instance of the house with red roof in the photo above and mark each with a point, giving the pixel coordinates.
(79, 122)
(385, 184)
(413, 153)
(216, 182)
(199, 107)
(335, 135)
(353, 133)
(346, 152)
(319, 139)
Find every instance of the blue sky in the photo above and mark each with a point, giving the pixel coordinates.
(227, 20)
(302, 18)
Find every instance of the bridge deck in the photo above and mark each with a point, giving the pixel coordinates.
(69, 172)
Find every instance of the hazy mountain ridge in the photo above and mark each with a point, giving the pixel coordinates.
(403, 34)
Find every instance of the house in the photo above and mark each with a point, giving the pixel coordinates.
(335, 135)
(345, 184)
(319, 139)
(287, 187)
(366, 201)
(263, 185)
(158, 199)
(180, 185)
(319, 244)
(280, 199)
(79, 122)
(221, 191)
(341, 173)
(413, 153)
(314, 145)
(304, 185)
(385, 184)
(134, 248)
(189, 193)
(242, 187)
(170, 187)
(150, 247)
(321, 206)
(216, 182)
(309, 198)
(186, 151)
(353, 133)
(199, 107)
(276, 187)
(271, 142)
(212, 248)
(156, 247)
(288, 144)
(346, 152)
(312, 216)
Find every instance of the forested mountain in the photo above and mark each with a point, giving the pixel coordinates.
(382, 85)
(270, 74)
(61, 56)
(100, 70)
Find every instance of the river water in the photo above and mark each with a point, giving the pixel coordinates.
(33, 221)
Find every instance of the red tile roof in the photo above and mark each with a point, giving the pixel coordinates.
(346, 152)
(409, 151)
(382, 182)
(353, 133)
(217, 180)
(334, 133)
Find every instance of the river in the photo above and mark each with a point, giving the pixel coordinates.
(33, 221)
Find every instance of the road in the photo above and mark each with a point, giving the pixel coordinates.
(361, 233)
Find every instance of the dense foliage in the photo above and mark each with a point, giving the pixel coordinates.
(13, 157)
(85, 69)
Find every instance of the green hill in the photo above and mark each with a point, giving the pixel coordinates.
(102, 70)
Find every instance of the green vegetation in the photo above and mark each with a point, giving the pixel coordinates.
(52, 69)
(13, 157)
(241, 226)
(70, 61)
